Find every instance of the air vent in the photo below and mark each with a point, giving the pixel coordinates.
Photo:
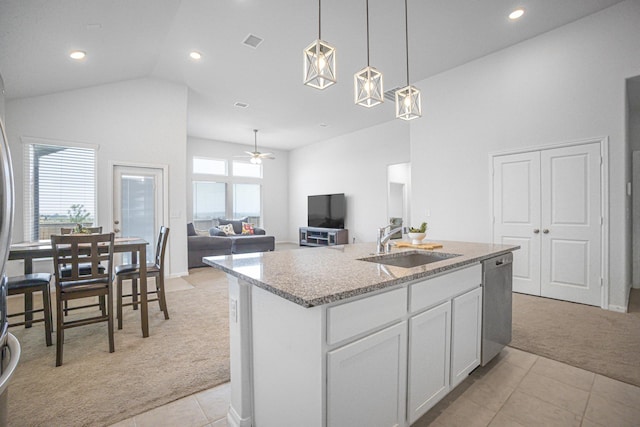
(252, 41)
(390, 95)
(241, 104)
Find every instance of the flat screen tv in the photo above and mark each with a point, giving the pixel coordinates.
(326, 210)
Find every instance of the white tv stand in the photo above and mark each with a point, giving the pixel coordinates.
(316, 236)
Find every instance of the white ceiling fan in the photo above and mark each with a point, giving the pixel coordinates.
(255, 156)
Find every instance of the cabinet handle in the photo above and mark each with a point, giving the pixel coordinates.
(545, 231)
(536, 230)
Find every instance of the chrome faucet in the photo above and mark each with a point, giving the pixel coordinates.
(383, 244)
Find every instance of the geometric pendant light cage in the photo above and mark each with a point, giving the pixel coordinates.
(408, 100)
(367, 83)
(319, 61)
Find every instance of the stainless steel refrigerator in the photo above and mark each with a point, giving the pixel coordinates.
(9, 346)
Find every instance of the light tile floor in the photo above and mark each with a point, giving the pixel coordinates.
(515, 389)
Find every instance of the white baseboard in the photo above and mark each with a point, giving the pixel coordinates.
(617, 308)
(174, 275)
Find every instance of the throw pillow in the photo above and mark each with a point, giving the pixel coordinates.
(228, 229)
(191, 230)
(237, 223)
(247, 228)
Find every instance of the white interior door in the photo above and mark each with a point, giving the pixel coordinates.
(516, 207)
(571, 224)
(549, 203)
(137, 203)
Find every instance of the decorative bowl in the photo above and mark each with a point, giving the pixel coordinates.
(416, 238)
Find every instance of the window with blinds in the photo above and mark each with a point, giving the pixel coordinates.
(59, 189)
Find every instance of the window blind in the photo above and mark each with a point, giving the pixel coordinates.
(59, 188)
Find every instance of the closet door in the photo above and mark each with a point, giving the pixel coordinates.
(571, 223)
(516, 210)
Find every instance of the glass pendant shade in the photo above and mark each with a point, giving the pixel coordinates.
(368, 87)
(256, 160)
(408, 103)
(319, 65)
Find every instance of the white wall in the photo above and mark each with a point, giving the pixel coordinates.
(140, 121)
(275, 178)
(565, 85)
(354, 164)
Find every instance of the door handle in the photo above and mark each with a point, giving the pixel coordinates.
(536, 230)
(545, 231)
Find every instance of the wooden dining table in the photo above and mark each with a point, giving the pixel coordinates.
(28, 251)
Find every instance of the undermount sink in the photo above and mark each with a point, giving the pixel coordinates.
(409, 259)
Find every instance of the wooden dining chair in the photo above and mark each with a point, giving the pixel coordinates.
(65, 271)
(27, 285)
(76, 251)
(132, 271)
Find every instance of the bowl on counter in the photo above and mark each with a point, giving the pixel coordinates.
(416, 238)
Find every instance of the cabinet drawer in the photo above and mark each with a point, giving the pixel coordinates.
(432, 291)
(353, 318)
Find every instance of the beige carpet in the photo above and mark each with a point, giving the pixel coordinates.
(587, 337)
(183, 355)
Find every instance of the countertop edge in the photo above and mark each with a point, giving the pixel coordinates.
(358, 291)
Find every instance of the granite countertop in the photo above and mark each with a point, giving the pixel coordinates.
(316, 276)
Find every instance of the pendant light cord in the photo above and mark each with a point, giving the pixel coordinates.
(406, 36)
(319, 19)
(367, 33)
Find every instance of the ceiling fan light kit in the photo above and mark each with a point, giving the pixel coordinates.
(319, 60)
(255, 157)
(367, 83)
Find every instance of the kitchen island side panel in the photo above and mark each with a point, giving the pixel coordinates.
(288, 361)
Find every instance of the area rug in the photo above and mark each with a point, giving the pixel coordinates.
(600, 341)
(183, 355)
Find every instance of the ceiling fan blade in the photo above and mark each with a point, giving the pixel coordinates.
(265, 155)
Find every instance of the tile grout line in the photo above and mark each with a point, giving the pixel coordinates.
(514, 389)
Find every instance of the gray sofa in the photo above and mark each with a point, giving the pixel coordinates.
(218, 243)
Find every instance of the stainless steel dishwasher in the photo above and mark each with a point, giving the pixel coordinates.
(497, 277)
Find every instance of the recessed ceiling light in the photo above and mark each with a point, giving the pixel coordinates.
(195, 55)
(77, 54)
(516, 14)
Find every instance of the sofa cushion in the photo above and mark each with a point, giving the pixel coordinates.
(209, 243)
(243, 244)
(191, 230)
(215, 231)
(237, 223)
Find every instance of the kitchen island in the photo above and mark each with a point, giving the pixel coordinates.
(321, 337)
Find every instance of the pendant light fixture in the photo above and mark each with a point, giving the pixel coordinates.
(408, 104)
(319, 61)
(367, 83)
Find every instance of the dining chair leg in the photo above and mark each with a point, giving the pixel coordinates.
(102, 305)
(66, 308)
(119, 300)
(112, 347)
(59, 333)
(162, 298)
(28, 307)
(46, 305)
(134, 293)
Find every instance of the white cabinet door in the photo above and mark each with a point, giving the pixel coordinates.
(571, 224)
(516, 210)
(366, 380)
(466, 331)
(429, 335)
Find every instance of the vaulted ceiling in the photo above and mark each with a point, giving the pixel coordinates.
(129, 39)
